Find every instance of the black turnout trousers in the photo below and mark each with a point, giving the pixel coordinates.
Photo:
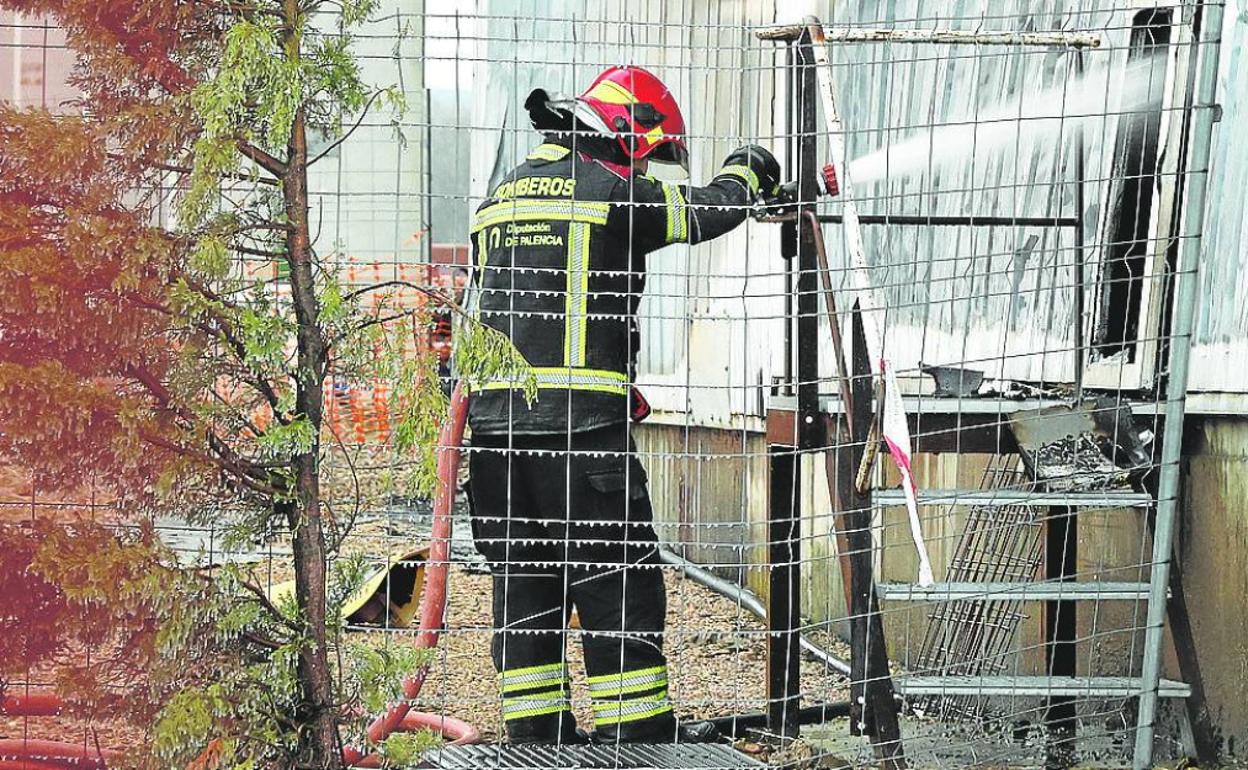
(565, 522)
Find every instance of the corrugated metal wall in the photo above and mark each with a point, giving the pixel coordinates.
(998, 299)
(1221, 337)
(986, 294)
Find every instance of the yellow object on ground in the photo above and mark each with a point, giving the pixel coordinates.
(388, 597)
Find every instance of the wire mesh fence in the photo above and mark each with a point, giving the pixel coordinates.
(956, 344)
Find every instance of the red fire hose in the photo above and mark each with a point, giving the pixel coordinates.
(432, 599)
(30, 754)
(34, 754)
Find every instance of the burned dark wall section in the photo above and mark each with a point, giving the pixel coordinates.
(1133, 189)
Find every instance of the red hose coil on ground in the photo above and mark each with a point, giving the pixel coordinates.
(31, 754)
(34, 754)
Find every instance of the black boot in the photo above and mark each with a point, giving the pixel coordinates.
(698, 732)
(561, 730)
(657, 731)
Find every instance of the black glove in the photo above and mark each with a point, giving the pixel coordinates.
(762, 163)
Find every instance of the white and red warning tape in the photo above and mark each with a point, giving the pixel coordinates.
(894, 428)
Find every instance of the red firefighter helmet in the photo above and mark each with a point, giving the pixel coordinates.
(639, 109)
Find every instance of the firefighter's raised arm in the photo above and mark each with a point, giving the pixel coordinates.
(663, 213)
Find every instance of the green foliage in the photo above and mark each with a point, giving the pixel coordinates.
(356, 12)
(285, 441)
(406, 749)
(253, 96)
(244, 711)
(378, 672)
(265, 333)
(241, 709)
(191, 713)
(421, 407)
(167, 366)
(211, 257)
(484, 355)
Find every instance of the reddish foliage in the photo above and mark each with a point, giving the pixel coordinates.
(102, 379)
(74, 618)
(31, 608)
(84, 347)
(81, 283)
(86, 351)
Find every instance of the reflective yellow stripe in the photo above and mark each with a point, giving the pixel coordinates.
(576, 307)
(515, 686)
(632, 710)
(534, 705)
(533, 676)
(569, 378)
(634, 704)
(611, 92)
(677, 213)
(744, 173)
(483, 251)
(525, 210)
(537, 711)
(622, 718)
(601, 684)
(549, 152)
(626, 689)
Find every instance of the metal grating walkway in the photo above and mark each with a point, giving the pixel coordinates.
(634, 756)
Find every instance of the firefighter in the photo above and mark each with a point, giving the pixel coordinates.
(560, 506)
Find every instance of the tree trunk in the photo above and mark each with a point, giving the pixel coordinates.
(320, 746)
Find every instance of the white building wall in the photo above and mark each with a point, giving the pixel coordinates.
(35, 63)
(1220, 343)
(369, 194)
(998, 299)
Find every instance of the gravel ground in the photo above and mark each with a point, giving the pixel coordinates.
(716, 654)
(716, 649)
(716, 657)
